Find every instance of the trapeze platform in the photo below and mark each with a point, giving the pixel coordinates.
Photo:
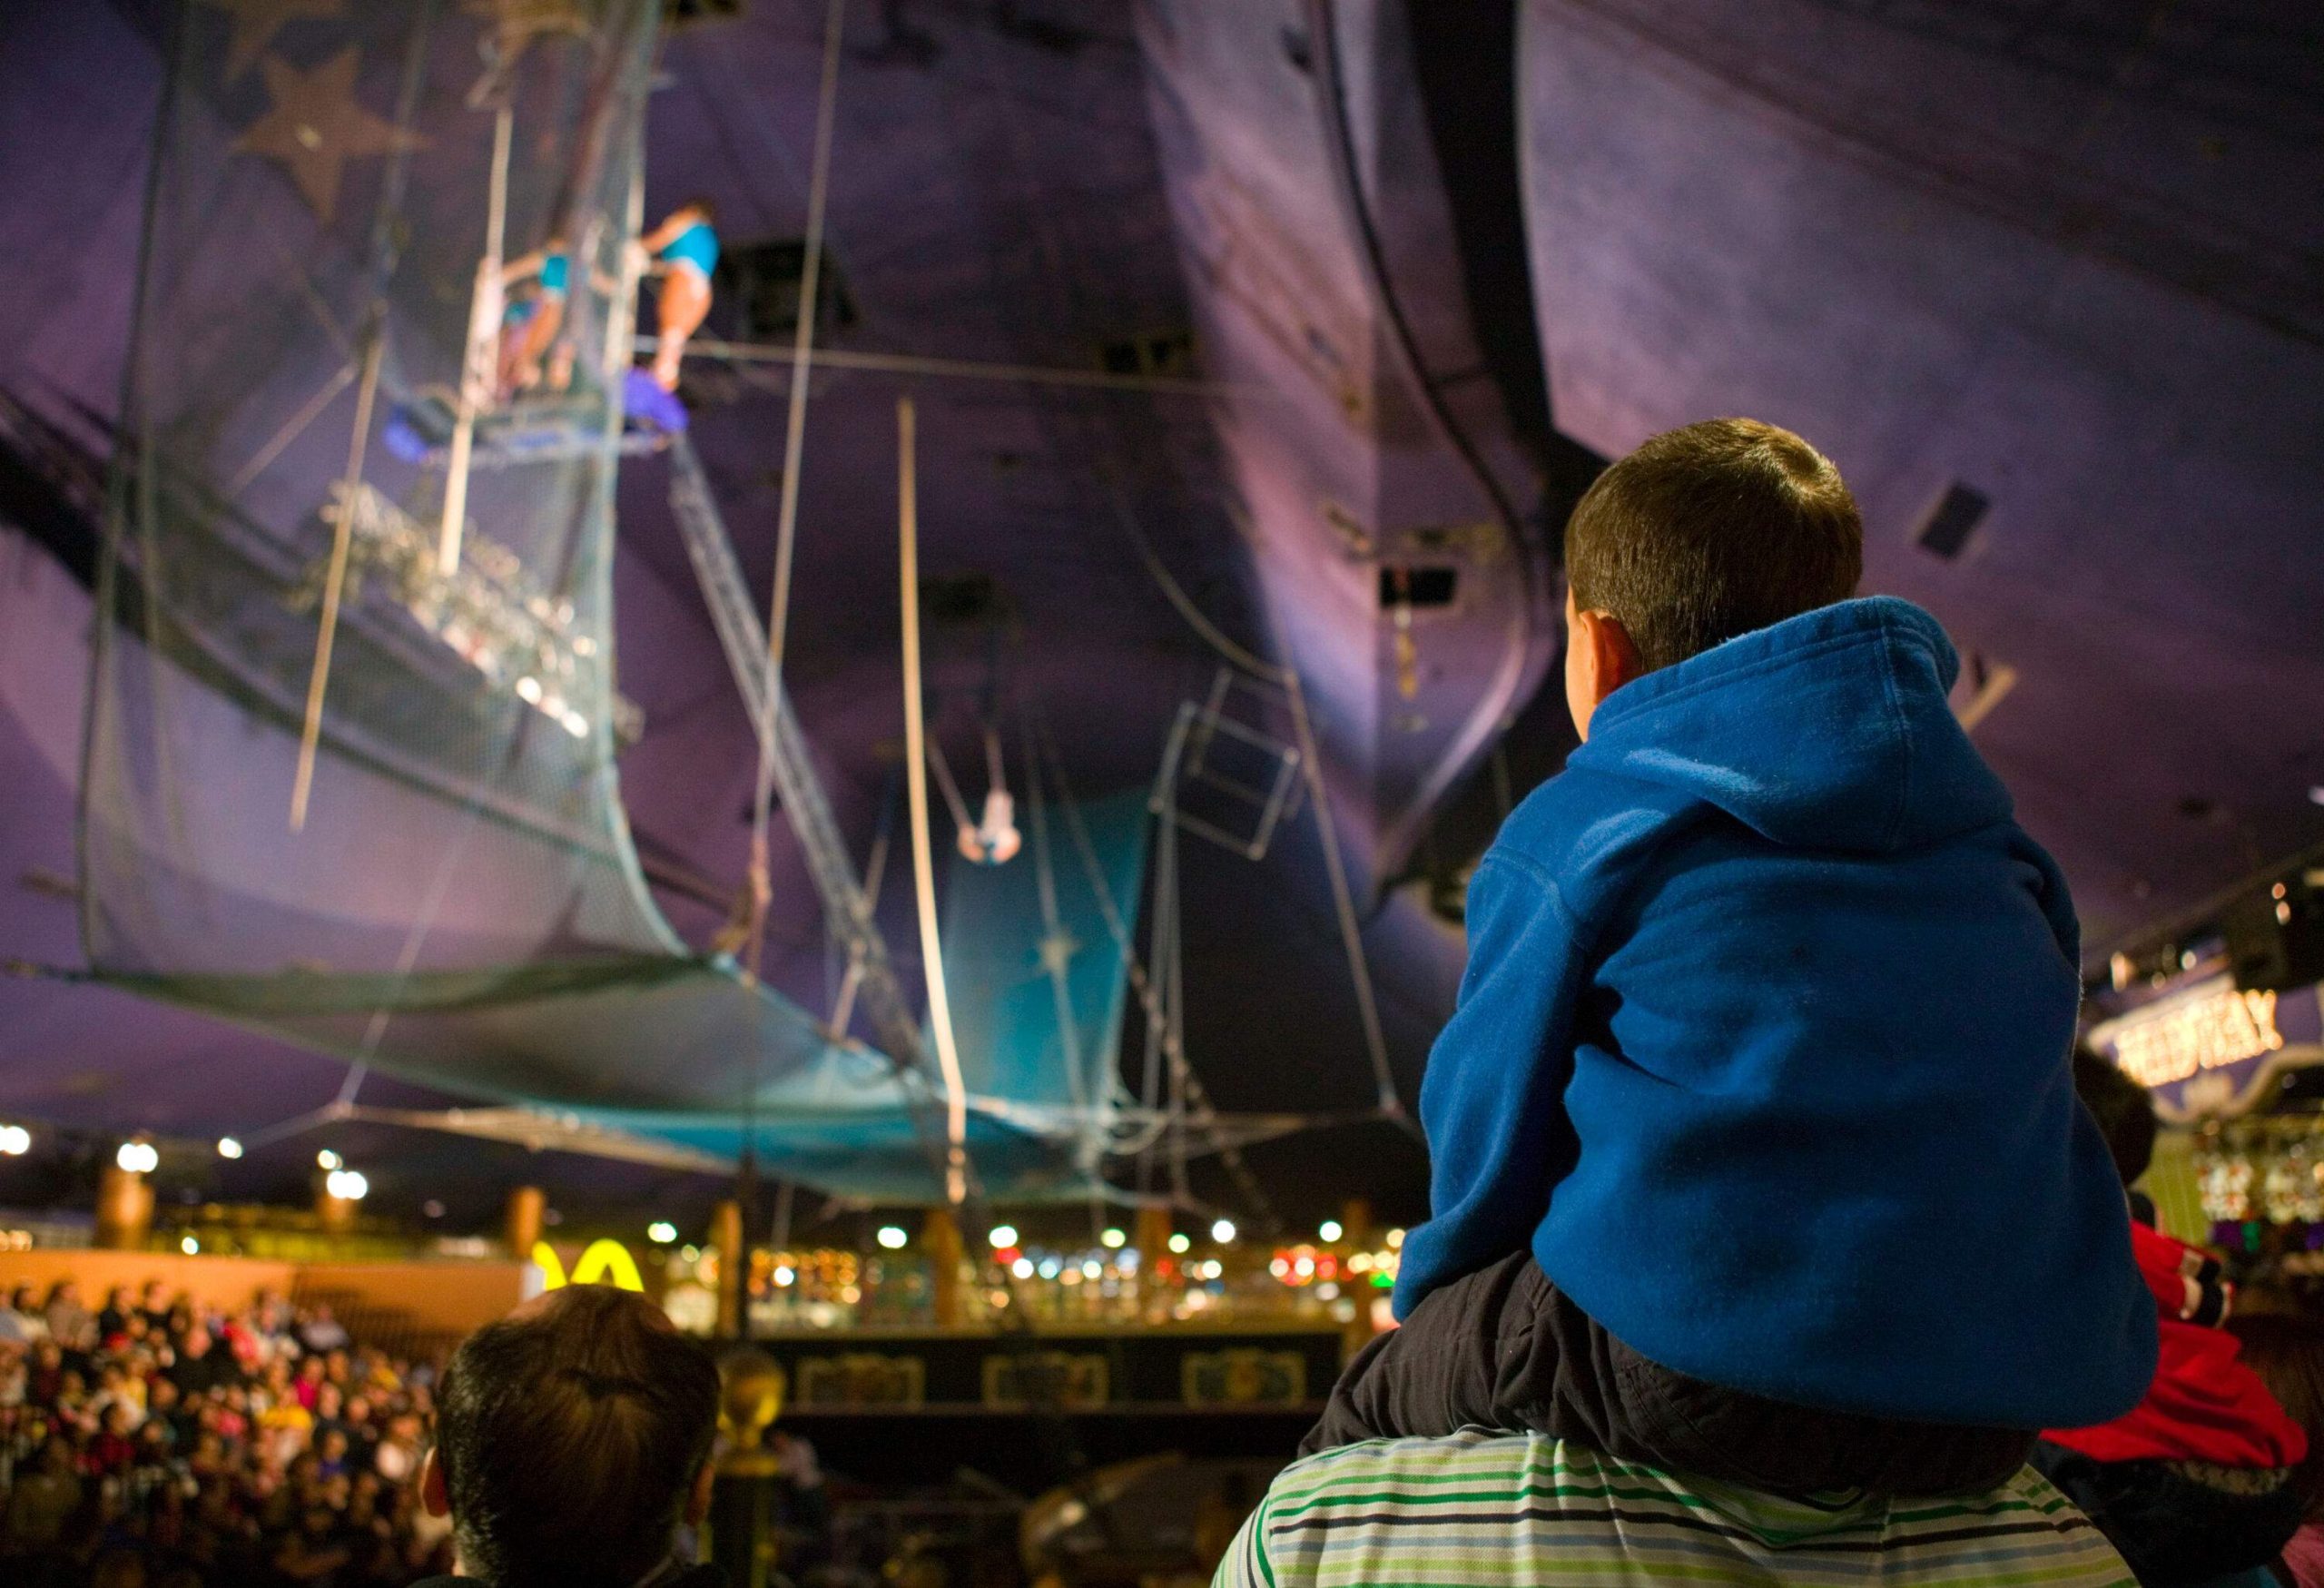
(545, 429)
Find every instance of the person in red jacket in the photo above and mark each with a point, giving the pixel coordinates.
(2285, 1348)
(2194, 1482)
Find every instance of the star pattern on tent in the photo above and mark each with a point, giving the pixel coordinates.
(256, 22)
(317, 126)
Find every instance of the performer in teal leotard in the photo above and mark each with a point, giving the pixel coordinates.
(533, 322)
(684, 249)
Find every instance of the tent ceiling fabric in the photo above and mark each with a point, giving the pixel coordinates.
(2070, 272)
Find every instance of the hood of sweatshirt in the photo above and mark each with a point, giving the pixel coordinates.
(1830, 730)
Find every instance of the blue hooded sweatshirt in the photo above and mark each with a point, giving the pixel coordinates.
(1763, 1046)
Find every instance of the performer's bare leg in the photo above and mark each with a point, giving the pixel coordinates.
(682, 302)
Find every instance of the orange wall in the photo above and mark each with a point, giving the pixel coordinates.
(227, 1282)
(448, 1297)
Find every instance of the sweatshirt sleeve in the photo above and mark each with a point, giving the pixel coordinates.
(1493, 1102)
(2050, 894)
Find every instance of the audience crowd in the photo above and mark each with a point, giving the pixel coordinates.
(149, 1439)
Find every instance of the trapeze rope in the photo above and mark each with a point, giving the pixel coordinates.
(342, 539)
(948, 787)
(932, 942)
(477, 361)
(1054, 945)
(1118, 930)
(374, 345)
(794, 441)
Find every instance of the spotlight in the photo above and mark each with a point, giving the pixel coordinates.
(1180, 1243)
(138, 1157)
(229, 1147)
(15, 1140)
(1022, 1267)
(1330, 1230)
(327, 1158)
(1395, 1240)
(892, 1238)
(1003, 1236)
(661, 1232)
(1223, 1232)
(1092, 1268)
(188, 1245)
(1112, 1240)
(347, 1185)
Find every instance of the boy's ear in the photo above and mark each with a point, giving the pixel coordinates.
(433, 1497)
(1604, 658)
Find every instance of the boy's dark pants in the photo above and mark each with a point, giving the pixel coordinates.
(1504, 1348)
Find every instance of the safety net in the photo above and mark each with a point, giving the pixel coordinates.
(359, 422)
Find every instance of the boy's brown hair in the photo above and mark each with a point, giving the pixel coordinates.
(1709, 532)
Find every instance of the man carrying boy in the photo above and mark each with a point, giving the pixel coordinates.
(1755, 1151)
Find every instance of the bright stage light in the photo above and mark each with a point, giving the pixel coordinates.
(327, 1158)
(892, 1238)
(347, 1185)
(1003, 1236)
(1395, 1240)
(1092, 1268)
(138, 1157)
(229, 1147)
(1022, 1267)
(661, 1232)
(1180, 1243)
(15, 1140)
(188, 1245)
(1330, 1230)
(1112, 1240)
(1223, 1232)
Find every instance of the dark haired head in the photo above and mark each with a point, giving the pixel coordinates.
(568, 1437)
(703, 208)
(1709, 532)
(2124, 1113)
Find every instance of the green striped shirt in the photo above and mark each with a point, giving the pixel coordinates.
(1511, 1511)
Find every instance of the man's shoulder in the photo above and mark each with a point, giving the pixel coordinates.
(1452, 1511)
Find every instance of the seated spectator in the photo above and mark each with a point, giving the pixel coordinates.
(153, 1306)
(2286, 1351)
(1480, 1507)
(70, 1324)
(2195, 1482)
(573, 1437)
(201, 1367)
(182, 1484)
(322, 1333)
(21, 1319)
(43, 1498)
(113, 1318)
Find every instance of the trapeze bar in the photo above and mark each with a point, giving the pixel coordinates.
(962, 369)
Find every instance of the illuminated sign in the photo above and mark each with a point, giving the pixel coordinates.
(2204, 1028)
(603, 1262)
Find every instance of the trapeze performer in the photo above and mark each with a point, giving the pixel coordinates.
(529, 332)
(684, 249)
